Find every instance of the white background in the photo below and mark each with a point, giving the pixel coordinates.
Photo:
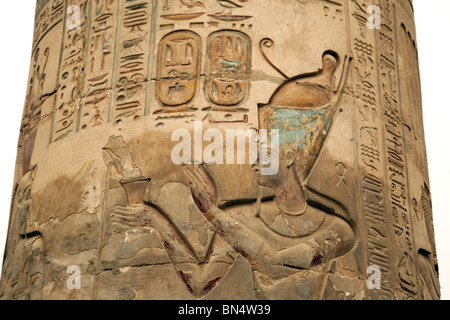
(433, 27)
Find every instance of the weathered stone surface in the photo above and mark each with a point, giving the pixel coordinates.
(110, 203)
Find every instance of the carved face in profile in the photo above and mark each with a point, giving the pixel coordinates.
(285, 158)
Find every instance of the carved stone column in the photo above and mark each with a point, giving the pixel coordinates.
(131, 181)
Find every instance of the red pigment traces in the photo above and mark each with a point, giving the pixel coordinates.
(169, 247)
(211, 285)
(317, 260)
(242, 252)
(198, 202)
(286, 194)
(185, 279)
(220, 230)
(176, 238)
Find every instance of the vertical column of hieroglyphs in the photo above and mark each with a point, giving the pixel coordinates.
(43, 69)
(369, 133)
(417, 161)
(412, 95)
(99, 64)
(132, 56)
(395, 154)
(71, 73)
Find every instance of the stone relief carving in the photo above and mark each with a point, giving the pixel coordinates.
(106, 96)
(179, 59)
(203, 242)
(228, 67)
(25, 246)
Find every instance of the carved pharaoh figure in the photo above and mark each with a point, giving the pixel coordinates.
(287, 232)
(311, 236)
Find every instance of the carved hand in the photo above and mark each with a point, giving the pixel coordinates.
(137, 216)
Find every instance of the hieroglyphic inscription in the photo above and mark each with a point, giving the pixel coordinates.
(369, 131)
(71, 73)
(48, 14)
(427, 215)
(221, 63)
(135, 70)
(132, 58)
(43, 71)
(377, 225)
(100, 57)
(411, 94)
(106, 74)
(179, 59)
(395, 154)
(228, 67)
(416, 162)
(32, 111)
(411, 67)
(179, 10)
